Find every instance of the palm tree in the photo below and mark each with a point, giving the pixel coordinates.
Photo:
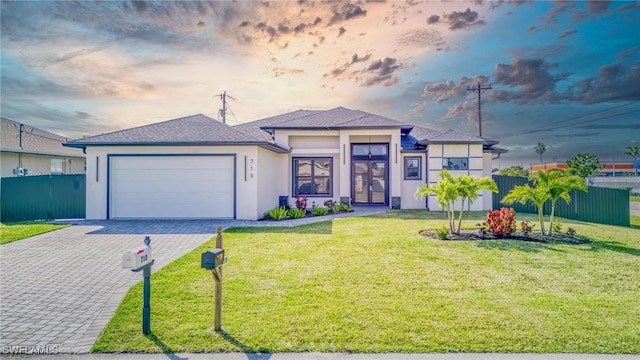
(450, 189)
(540, 149)
(524, 194)
(559, 183)
(634, 152)
(550, 185)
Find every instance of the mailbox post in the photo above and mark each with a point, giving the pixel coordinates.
(141, 260)
(213, 260)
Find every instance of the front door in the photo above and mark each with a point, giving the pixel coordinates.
(370, 174)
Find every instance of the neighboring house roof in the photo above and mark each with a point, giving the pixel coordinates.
(191, 130)
(338, 118)
(451, 136)
(20, 138)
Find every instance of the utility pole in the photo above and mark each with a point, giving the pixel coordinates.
(223, 111)
(479, 91)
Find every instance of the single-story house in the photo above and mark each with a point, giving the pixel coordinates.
(25, 150)
(197, 167)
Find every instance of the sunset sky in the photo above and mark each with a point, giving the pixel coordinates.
(566, 74)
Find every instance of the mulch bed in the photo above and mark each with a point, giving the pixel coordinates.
(556, 238)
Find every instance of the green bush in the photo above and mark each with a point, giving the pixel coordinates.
(345, 208)
(277, 213)
(319, 211)
(557, 225)
(442, 233)
(297, 213)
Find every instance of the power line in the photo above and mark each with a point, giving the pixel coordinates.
(535, 128)
(568, 125)
(479, 91)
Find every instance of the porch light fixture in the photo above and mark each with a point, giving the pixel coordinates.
(369, 147)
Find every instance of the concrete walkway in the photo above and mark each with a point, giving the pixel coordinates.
(58, 290)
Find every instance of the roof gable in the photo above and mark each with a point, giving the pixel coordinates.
(33, 140)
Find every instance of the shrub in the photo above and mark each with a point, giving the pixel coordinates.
(301, 202)
(501, 222)
(345, 208)
(297, 213)
(557, 226)
(277, 213)
(482, 229)
(442, 233)
(329, 203)
(526, 228)
(319, 211)
(572, 232)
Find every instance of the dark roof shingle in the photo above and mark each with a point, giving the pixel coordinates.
(196, 129)
(33, 140)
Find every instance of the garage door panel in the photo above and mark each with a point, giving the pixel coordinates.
(172, 187)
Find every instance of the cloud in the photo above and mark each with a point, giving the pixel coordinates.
(420, 38)
(346, 11)
(613, 82)
(444, 91)
(433, 19)
(463, 19)
(379, 72)
(600, 6)
(532, 79)
(566, 33)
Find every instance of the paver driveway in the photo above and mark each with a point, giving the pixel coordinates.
(60, 289)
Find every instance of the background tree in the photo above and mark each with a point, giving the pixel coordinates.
(516, 170)
(540, 149)
(634, 152)
(450, 189)
(584, 165)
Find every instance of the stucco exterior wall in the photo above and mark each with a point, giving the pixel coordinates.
(409, 186)
(438, 152)
(270, 180)
(37, 164)
(246, 191)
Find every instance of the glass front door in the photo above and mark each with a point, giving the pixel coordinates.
(370, 182)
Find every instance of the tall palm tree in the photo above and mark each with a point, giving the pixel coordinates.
(634, 152)
(540, 149)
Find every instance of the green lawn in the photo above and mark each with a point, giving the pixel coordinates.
(16, 231)
(635, 198)
(375, 285)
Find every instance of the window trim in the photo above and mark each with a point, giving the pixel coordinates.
(419, 158)
(294, 173)
(446, 160)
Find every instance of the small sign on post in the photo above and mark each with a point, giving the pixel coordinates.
(213, 260)
(141, 260)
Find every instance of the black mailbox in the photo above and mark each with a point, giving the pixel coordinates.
(212, 259)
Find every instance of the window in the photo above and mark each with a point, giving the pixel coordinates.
(455, 163)
(58, 166)
(312, 176)
(413, 168)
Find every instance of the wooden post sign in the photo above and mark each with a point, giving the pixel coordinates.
(217, 276)
(213, 260)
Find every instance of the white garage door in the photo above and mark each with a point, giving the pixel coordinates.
(172, 187)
